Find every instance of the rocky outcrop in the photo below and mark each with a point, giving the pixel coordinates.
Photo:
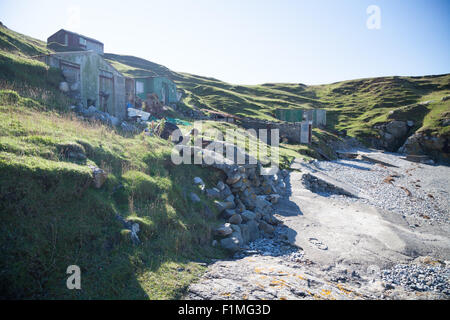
(392, 134)
(422, 144)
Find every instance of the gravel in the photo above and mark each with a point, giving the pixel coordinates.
(415, 190)
(277, 246)
(418, 278)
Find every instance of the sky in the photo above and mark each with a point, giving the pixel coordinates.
(256, 41)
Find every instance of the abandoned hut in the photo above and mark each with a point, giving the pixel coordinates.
(92, 80)
(163, 87)
(317, 116)
(64, 40)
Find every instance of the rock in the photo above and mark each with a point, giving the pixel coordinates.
(128, 127)
(238, 236)
(168, 129)
(230, 198)
(225, 192)
(114, 121)
(446, 122)
(100, 176)
(273, 198)
(230, 244)
(235, 219)
(261, 202)
(410, 123)
(198, 180)
(223, 205)
(248, 215)
(194, 197)
(224, 230)
(213, 193)
(240, 207)
(228, 213)
(245, 233)
(397, 128)
(270, 219)
(220, 185)
(64, 87)
(234, 178)
(76, 155)
(265, 227)
(237, 185)
(253, 230)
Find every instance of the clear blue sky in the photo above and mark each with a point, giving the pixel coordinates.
(255, 41)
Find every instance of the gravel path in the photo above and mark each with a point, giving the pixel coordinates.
(410, 189)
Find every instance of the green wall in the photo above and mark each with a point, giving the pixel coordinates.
(156, 85)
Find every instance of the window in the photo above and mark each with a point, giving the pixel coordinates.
(139, 87)
(82, 41)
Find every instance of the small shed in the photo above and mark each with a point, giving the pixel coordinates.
(65, 40)
(163, 87)
(317, 116)
(92, 80)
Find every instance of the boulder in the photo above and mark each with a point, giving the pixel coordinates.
(235, 219)
(248, 215)
(99, 175)
(198, 180)
(213, 193)
(224, 230)
(253, 230)
(223, 205)
(273, 198)
(245, 233)
(220, 185)
(234, 178)
(64, 87)
(231, 244)
(230, 198)
(266, 228)
(228, 213)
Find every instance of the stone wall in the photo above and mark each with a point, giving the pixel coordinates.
(289, 130)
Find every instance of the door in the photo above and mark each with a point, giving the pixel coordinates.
(106, 92)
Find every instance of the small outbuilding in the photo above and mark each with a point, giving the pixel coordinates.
(92, 80)
(317, 116)
(163, 87)
(65, 40)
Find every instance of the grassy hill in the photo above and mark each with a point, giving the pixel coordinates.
(51, 216)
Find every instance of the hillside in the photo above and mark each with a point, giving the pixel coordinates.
(53, 216)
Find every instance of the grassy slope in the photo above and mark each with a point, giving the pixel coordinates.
(51, 219)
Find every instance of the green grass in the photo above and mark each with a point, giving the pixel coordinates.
(51, 219)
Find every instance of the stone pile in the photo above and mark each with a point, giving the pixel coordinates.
(244, 201)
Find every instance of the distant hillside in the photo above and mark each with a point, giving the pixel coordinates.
(355, 106)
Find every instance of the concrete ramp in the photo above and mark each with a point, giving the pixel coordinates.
(377, 158)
